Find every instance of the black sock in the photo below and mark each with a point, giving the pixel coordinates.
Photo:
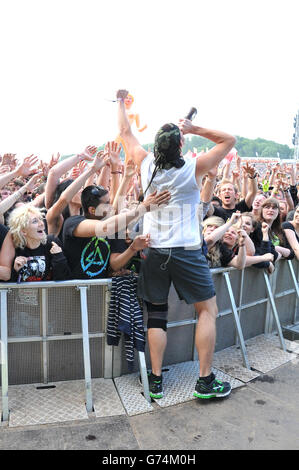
(156, 376)
(208, 379)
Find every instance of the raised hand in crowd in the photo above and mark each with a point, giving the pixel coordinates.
(121, 198)
(249, 170)
(10, 160)
(89, 153)
(28, 187)
(71, 195)
(265, 231)
(62, 168)
(114, 149)
(26, 168)
(54, 160)
(241, 237)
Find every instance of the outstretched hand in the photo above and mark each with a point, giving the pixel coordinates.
(26, 168)
(101, 159)
(113, 149)
(121, 94)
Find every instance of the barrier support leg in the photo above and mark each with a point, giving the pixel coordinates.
(274, 312)
(86, 352)
(144, 377)
(237, 321)
(4, 356)
(296, 287)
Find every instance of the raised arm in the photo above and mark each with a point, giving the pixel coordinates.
(24, 169)
(208, 188)
(54, 214)
(120, 197)
(252, 184)
(293, 242)
(116, 223)
(239, 261)
(7, 255)
(218, 233)
(135, 150)
(224, 143)
(61, 168)
(113, 150)
(8, 202)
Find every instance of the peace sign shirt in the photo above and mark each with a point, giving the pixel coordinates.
(88, 258)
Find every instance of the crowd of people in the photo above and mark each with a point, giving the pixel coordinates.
(92, 216)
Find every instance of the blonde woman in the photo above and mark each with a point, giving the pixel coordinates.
(215, 232)
(38, 256)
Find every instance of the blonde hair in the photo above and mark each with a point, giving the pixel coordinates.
(18, 221)
(213, 220)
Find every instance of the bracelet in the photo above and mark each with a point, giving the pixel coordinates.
(252, 177)
(285, 190)
(116, 172)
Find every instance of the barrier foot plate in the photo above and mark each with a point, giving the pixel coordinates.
(33, 404)
(130, 392)
(265, 353)
(106, 400)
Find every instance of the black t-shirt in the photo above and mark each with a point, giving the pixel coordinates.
(226, 214)
(88, 257)
(289, 226)
(225, 255)
(3, 233)
(41, 264)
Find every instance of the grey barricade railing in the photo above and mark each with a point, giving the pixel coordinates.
(89, 301)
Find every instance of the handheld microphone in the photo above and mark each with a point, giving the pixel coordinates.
(191, 115)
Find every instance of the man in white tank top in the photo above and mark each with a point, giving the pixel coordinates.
(175, 254)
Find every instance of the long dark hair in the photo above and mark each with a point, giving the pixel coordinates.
(276, 228)
(59, 190)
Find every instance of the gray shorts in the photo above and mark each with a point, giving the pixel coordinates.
(186, 269)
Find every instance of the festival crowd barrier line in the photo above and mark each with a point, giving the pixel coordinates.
(56, 331)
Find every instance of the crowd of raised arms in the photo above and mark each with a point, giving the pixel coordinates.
(80, 217)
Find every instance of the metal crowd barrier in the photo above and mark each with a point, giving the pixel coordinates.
(34, 308)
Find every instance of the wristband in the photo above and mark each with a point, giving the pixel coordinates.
(116, 172)
(252, 177)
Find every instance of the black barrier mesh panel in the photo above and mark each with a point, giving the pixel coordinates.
(23, 312)
(66, 359)
(24, 363)
(96, 308)
(64, 310)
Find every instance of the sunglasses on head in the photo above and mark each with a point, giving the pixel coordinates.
(98, 191)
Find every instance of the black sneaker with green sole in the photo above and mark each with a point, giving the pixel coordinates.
(155, 385)
(214, 389)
